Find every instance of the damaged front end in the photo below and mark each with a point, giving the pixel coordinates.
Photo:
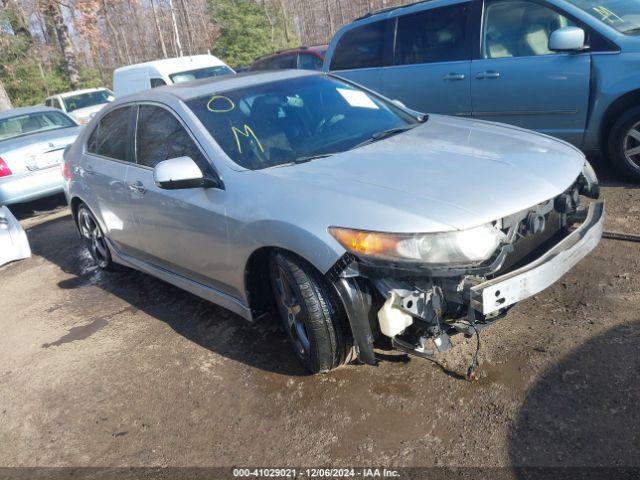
(419, 305)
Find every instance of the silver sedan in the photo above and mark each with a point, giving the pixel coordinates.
(348, 215)
(32, 141)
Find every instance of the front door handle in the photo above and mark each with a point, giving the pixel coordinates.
(489, 74)
(137, 187)
(454, 76)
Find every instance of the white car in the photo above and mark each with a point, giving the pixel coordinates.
(143, 76)
(81, 104)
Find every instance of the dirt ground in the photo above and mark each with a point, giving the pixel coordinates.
(121, 369)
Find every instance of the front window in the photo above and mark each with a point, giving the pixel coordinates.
(33, 123)
(623, 15)
(289, 120)
(189, 75)
(89, 99)
(517, 28)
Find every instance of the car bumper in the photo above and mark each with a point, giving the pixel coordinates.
(31, 186)
(13, 240)
(493, 295)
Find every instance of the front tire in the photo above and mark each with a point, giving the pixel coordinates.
(94, 239)
(624, 144)
(312, 315)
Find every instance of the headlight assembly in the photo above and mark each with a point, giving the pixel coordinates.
(461, 247)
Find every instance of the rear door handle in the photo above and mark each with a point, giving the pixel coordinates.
(454, 76)
(489, 74)
(137, 187)
(89, 170)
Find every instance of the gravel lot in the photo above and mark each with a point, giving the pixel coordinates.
(124, 370)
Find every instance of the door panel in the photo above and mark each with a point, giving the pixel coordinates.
(520, 81)
(184, 231)
(105, 169)
(548, 93)
(432, 87)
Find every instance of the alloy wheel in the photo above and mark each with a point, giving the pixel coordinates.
(92, 234)
(292, 313)
(631, 146)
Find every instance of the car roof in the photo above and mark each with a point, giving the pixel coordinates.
(312, 48)
(171, 65)
(26, 110)
(206, 86)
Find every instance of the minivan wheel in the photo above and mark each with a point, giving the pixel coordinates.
(624, 144)
(93, 238)
(311, 313)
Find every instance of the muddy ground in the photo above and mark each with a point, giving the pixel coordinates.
(121, 369)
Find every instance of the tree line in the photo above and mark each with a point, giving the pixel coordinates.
(50, 46)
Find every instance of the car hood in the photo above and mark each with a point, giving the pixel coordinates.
(457, 173)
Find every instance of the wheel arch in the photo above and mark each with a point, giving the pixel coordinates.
(614, 110)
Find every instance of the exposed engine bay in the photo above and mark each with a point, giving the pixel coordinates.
(418, 309)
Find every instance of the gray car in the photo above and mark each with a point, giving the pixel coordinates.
(32, 140)
(353, 218)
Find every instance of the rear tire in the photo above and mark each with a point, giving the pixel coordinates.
(624, 144)
(311, 313)
(94, 239)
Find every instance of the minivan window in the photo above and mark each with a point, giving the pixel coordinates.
(287, 121)
(623, 15)
(361, 47)
(110, 137)
(160, 136)
(436, 35)
(282, 62)
(87, 99)
(517, 28)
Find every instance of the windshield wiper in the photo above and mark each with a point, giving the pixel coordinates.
(385, 134)
(632, 31)
(303, 159)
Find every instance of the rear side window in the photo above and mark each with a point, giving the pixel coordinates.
(160, 136)
(437, 35)
(362, 47)
(110, 137)
(157, 82)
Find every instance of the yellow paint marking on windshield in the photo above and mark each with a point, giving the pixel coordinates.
(247, 133)
(606, 14)
(229, 104)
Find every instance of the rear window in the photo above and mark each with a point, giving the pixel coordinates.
(362, 47)
(30, 123)
(196, 74)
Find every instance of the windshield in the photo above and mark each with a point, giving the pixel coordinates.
(623, 15)
(89, 99)
(32, 123)
(200, 73)
(290, 120)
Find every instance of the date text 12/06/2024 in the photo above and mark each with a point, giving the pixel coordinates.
(315, 473)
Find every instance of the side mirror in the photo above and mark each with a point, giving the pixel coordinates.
(181, 172)
(567, 39)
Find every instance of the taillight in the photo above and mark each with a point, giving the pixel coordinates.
(5, 171)
(66, 170)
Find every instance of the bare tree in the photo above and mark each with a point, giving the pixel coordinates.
(158, 30)
(62, 32)
(5, 101)
(176, 33)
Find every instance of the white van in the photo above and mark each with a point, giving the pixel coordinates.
(142, 76)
